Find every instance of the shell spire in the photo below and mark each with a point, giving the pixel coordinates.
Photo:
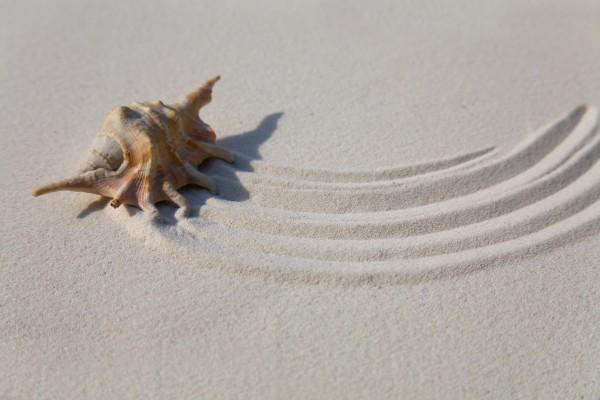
(195, 100)
(144, 152)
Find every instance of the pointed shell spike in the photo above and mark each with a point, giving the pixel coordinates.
(79, 183)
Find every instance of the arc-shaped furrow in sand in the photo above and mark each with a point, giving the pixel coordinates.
(280, 173)
(387, 178)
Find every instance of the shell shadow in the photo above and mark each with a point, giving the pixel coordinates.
(248, 143)
(94, 206)
(246, 147)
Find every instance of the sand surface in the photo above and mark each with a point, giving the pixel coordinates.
(414, 211)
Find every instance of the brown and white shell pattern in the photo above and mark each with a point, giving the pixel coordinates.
(144, 152)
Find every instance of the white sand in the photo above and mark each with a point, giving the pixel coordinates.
(414, 213)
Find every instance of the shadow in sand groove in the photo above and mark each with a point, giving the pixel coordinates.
(245, 147)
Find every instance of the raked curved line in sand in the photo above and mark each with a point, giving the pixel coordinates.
(487, 208)
(350, 182)
(288, 175)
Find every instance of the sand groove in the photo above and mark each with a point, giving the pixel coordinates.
(411, 222)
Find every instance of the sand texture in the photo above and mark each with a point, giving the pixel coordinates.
(414, 210)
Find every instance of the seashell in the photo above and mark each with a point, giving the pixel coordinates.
(144, 152)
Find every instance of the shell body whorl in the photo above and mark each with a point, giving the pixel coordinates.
(145, 151)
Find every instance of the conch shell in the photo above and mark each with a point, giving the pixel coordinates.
(144, 152)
